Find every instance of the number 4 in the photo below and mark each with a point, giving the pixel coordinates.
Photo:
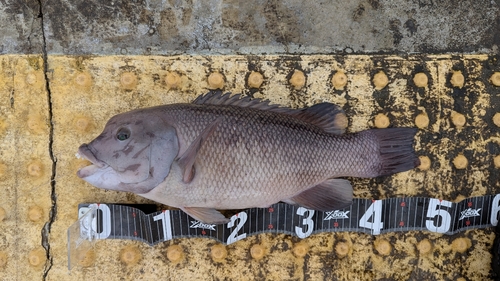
(375, 211)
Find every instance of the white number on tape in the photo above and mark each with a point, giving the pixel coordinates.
(434, 210)
(164, 217)
(307, 221)
(232, 237)
(374, 212)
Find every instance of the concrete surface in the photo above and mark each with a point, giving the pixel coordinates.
(41, 129)
(248, 27)
(61, 80)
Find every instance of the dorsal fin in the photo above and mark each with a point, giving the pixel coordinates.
(218, 98)
(327, 116)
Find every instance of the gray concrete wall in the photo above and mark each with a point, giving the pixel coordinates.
(145, 27)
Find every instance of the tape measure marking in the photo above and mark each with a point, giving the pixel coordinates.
(374, 217)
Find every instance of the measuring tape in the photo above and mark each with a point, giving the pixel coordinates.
(115, 221)
(112, 221)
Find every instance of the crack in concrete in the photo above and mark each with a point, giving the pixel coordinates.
(45, 232)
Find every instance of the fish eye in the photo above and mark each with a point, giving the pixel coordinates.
(123, 134)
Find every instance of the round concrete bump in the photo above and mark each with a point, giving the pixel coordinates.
(255, 80)
(31, 78)
(298, 79)
(36, 123)
(380, 80)
(496, 161)
(3, 170)
(35, 169)
(300, 249)
(496, 119)
(3, 214)
(83, 79)
(215, 80)
(173, 80)
(87, 258)
(425, 163)
(35, 213)
(383, 247)
(130, 255)
(424, 247)
(3, 259)
(381, 121)
(420, 80)
(457, 79)
(495, 79)
(257, 251)
(422, 121)
(128, 80)
(218, 252)
(458, 119)
(461, 244)
(37, 257)
(82, 124)
(342, 249)
(339, 80)
(460, 162)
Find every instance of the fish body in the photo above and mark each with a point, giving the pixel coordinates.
(223, 152)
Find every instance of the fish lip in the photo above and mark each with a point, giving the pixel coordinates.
(85, 152)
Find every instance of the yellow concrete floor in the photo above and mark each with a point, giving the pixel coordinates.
(452, 99)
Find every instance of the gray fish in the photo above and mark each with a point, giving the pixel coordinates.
(234, 152)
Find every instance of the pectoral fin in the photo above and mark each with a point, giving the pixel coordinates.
(206, 215)
(332, 194)
(186, 161)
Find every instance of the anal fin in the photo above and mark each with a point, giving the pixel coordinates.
(332, 194)
(206, 215)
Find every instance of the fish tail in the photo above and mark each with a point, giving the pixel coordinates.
(396, 153)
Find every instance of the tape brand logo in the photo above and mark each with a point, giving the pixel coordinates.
(469, 213)
(336, 215)
(199, 224)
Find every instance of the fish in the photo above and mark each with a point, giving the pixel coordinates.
(228, 152)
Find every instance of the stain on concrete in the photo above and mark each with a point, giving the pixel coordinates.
(256, 27)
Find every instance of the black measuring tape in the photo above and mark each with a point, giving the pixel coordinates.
(113, 221)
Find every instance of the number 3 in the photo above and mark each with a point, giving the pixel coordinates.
(306, 221)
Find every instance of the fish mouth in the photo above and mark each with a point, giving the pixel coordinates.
(85, 152)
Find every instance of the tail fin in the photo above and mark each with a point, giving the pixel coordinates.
(396, 150)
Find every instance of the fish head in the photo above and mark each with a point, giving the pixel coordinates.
(134, 152)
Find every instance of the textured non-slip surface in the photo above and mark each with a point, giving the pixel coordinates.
(458, 133)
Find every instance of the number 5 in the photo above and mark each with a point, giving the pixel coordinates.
(435, 210)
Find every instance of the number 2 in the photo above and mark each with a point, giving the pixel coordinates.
(232, 237)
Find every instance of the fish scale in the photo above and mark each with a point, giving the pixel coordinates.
(300, 160)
